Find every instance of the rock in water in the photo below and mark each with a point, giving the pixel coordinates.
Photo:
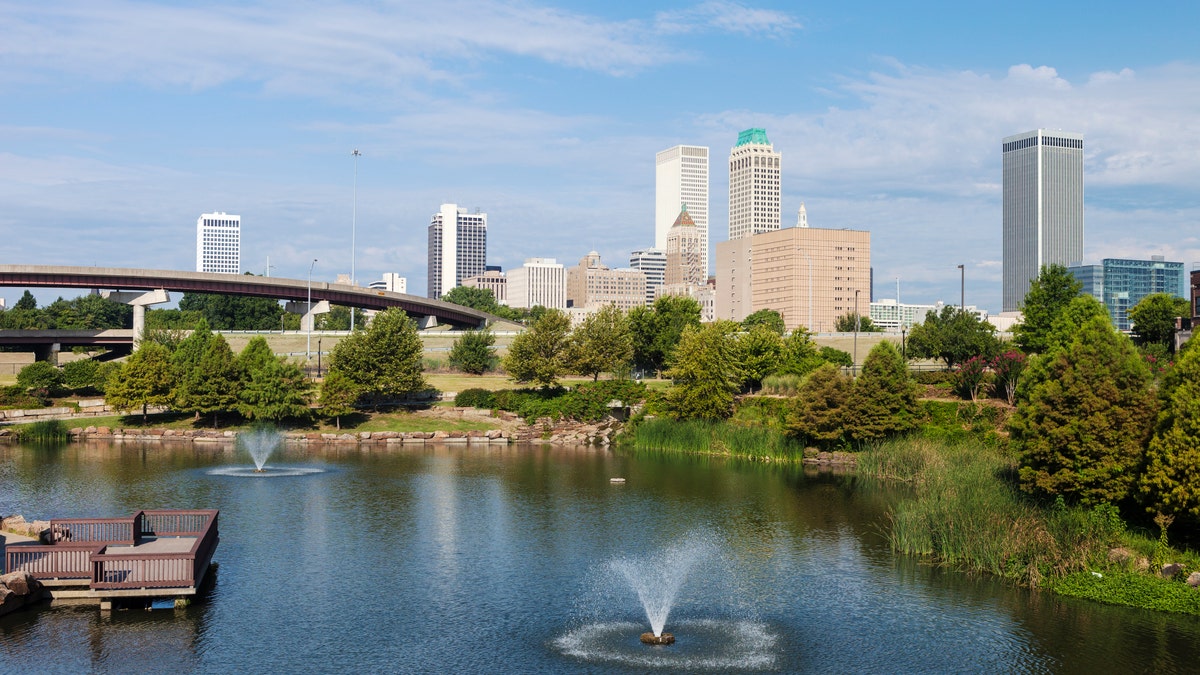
(652, 639)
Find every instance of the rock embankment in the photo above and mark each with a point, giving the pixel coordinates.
(18, 589)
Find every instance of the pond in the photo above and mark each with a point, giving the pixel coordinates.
(528, 559)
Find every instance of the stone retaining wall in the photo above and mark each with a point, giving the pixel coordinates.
(86, 408)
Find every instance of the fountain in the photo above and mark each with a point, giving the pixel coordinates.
(260, 442)
(694, 577)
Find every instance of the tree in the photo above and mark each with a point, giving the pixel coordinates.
(800, 355)
(1170, 483)
(761, 354)
(540, 353)
(338, 318)
(234, 312)
(385, 360)
(765, 317)
(210, 387)
(657, 331)
(27, 301)
(1071, 318)
(40, 375)
(338, 395)
(185, 362)
(1083, 416)
(473, 353)
(1048, 295)
(952, 336)
(818, 412)
(1008, 368)
(836, 356)
(706, 371)
(481, 299)
(1154, 317)
(81, 374)
(270, 388)
(846, 324)
(603, 343)
(142, 381)
(883, 401)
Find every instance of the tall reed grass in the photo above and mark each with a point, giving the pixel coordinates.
(782, 385)
(45, 431)
(719, 438)
(968, 513)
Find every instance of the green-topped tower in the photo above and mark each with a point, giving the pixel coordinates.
(754, 205)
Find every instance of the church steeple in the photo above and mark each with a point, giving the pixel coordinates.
(802, 217)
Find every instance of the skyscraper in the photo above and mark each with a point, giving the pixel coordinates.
(1043, 207)
(457, 248)
(540, 281)
(683, 253)
(653, 263)
(219, 243)
(681, 177)
(753, 185)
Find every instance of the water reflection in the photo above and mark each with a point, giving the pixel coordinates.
(476, 559)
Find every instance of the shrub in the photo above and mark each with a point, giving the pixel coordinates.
(46, 431)
(971, 377)
(81, 374)
(16, 397)
(781, 385)
(40, 375)
(475, 398)
(933, 377)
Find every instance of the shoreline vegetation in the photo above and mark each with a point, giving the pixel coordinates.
(966, 512)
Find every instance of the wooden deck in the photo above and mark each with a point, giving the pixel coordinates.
(151, 554)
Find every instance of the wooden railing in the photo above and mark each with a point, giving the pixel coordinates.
(81, 551)
(56, 561)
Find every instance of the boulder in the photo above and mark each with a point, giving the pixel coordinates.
(21, 583)
(1120, 555)
(1193, 579)
(1171, 569)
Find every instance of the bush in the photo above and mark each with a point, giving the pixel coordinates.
(782, 385)
(588, 402)
(934, 377)
(46, 431)
(971, 377)
(16, 397)
(475, 398)
(40, 375)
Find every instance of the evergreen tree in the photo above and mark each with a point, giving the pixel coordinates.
(27, 301)
(270, 388)
(762, 354)
(1170, 483)
(142, 381)
(1083, 416)
(185, 362)
(384, 361)
(1048, 295)
(473, 353)
(707, 372)
(603, 343)
(883, 400)
(818, 412)
(338, 395)
(211, 387)
(540, 353)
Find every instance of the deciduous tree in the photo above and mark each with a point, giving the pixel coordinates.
(707, 372)
(540, 353)
(765, 317)
(384, 361)
(1048, 295)
(269, 387)
(1170, 483)
(847, 323)
(338, 395)
(1154, 317)
(472, 352)
(952, 336)
(761, 354)
(603, 343)
(481, 299)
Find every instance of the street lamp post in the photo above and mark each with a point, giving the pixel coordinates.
(856, 324)
(353, 226)
(308, 315)
(962, 289)
(318, 357)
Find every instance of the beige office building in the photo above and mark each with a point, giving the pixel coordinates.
(807, 274)
(685, 264)
(540, 281)
(592, 283)
(492, 280)
(754, 205)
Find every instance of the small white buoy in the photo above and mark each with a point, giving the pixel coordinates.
(616, 480)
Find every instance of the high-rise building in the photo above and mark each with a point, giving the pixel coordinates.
(457, 248)
(540, 281)
(1121, 284)
(593, 284)
(651, 262)
(1043, 207)
(681, 178)
(391, 282)
(753, 185)
(810, 275)
(219, 243)
(684, 253)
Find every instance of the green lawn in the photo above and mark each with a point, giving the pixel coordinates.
(457, 382)
(365, 421)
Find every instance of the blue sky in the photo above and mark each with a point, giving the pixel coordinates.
(122, 121)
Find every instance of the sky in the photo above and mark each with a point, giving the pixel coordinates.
(121, 121)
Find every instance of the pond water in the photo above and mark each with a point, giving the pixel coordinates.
(526, 559)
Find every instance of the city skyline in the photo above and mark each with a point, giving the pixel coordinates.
(548, 117)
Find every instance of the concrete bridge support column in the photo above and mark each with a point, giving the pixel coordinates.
(140, 300)
(308, 317)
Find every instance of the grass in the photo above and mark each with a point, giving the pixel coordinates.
(45, 431)
(457, 382)
(714, 438)
(966, 512)
(402, 420)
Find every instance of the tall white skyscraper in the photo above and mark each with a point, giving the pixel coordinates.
(1043, 207)
(753, 185)
(681, 178)
(540, 281)
(457, 248)
(219, 243)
